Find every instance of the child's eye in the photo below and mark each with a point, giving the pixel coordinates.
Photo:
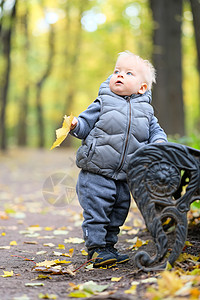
(129, 73)
(116, 72)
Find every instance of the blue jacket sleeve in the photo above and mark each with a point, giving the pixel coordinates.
(156, 132)
(87, 120)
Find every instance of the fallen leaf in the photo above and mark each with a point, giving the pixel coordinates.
(57, 261)
(34, 284)
(46, 263)
(188, 244)
(184, 256)
(137, 243)
(87, 289)
(83, 252)
(168, 266)
(61, 133)
(79, 294)
(47, 296)
(43, 277)
(60, 232)
(49, 245)
(74, 240)
(48, 228)
(71, 251)
(4, 247)
(57, 253)
(31, 242)
(131, 290)
(7, 274)
(24, 297)
(60, 246)
(13, 243)
(125, 227)
(41, 252)
(116, 278)
(69, 270)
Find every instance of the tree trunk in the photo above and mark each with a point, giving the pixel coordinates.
(195, 5)
(167, 58)
(23, 103)
(74, 57)
(39, 86)
(5, 41)
(74, 60)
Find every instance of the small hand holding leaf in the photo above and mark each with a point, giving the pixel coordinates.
(68, 124)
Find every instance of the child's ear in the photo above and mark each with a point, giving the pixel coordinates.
(143, 88)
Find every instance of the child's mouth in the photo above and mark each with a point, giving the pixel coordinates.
(118, 82)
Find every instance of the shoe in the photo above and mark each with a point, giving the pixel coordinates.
(102, 256)
(121, 258)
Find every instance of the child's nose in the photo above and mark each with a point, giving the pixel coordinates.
(120, 75)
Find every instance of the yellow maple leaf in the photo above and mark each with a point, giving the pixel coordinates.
(7, 274)
(46, 263)
(61, 133)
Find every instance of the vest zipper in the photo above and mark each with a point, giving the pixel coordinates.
(126, 143)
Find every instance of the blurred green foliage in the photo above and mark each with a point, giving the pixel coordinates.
(192, 140)
(88, 36)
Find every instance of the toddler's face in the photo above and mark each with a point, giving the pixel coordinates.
(128, 77)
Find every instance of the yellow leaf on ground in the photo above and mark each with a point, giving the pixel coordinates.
(46, 263)
(13, 243)
(188, 244)
(71, 251)
(62, 132)
(60, 246)
(49, 245)
(170, 283)
(48, 228)
(47, 296)
(57, 261)
(74, 240)
(132, 290)
(116, 278)
(7, 274)
(83, 252)
(125, 227)
(186, 256)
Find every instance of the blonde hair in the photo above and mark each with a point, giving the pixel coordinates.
(150, 72)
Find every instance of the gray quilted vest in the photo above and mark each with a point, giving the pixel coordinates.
(122, 128)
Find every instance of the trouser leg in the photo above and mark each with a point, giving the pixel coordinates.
(119, 212)
(97, 195)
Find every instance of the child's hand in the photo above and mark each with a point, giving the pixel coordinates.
(74, 123)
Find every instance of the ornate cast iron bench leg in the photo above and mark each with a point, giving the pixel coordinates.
(164, 180)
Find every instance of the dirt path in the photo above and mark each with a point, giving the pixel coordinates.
(34, 228)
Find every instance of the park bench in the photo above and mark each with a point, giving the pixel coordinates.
(164, 179)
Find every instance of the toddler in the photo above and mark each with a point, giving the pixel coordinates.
(112, 128)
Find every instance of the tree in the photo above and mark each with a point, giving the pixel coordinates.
(6, 29)
(39, 86)
(167, 58)
(195, 5)
(23, 102)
